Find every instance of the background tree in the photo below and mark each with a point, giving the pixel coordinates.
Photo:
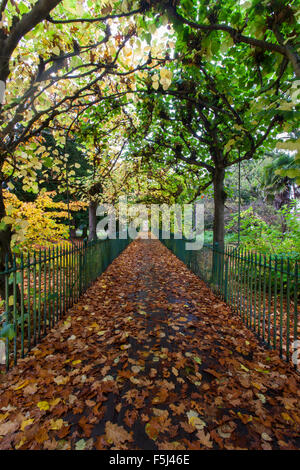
(206, 121)
(280, 189)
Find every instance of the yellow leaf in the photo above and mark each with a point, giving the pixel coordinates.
(286, 417)
(55, 402)
(25, 423)
(22, 441)
(23, 384)
(56, 425)
(78, 361)
(43, 405)
(3, 416)
(101, 333)
(256, 385)
(195, 420)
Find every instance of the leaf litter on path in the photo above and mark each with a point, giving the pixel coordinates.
(153, 361)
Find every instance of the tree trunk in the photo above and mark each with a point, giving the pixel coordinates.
(92, 220)
(218, 227)
(84, 232)
(219, 205)
(72, 229)
(5, 249)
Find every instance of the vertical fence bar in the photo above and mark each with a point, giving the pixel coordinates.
(248, 287)
(259, 295)
(48, 283)
(255, 292)
(53, 286)
(16, 300)
(64, 277)
(40, 294)
(34, 298)
(67, 277)
(222, 258)
(45, 292)
(7, 309)
(269, 301)
(229, 278)
(28, 305)
(264, 300)
(281, 310)
(61, 282)
(228, 260)
(78, 271)
(275, 305)
(238, 300)
(57, 283)
(236, 275)
(245, 286)
(296, 309)
(73, 274)
(226, 277)
(251, 291)
(288, 299)
(22, 305)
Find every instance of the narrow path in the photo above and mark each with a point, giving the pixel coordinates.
(150, 359)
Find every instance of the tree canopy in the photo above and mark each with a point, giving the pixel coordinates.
(164, 96)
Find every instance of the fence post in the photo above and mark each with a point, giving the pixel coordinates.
(215, 263)
(84, 264)
(226, 279)
(7, 309)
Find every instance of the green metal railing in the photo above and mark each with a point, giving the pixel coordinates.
(40, 288)
(262, 290)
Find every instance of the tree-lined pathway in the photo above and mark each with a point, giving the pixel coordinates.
(150, 359)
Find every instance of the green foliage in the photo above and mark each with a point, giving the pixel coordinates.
(7, 331)
(277, 186)
(261, 237)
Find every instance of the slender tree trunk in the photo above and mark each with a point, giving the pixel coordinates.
(219, 205)
(84, 232)
(72, 229)
(283, 199)
(5, 249)
(92, 220)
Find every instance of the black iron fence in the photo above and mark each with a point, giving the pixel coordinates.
(40, 288)
(263, 290)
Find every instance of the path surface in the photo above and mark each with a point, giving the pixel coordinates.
(150, 359)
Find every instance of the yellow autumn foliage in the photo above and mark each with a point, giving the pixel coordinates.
(39, 223)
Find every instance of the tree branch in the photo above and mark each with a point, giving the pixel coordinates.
(234, 33)
(99, 19)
